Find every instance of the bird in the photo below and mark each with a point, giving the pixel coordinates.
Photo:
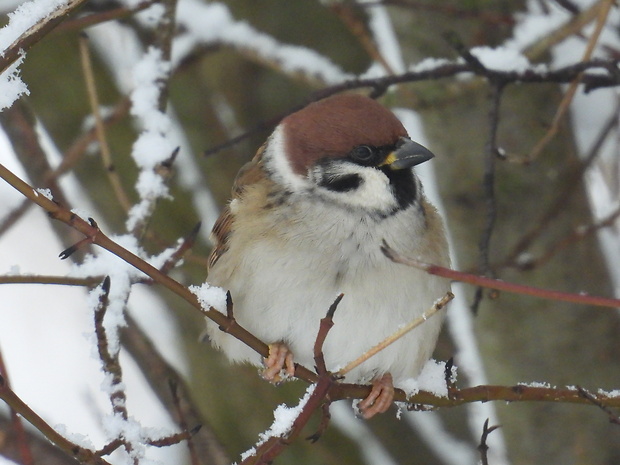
(306, 222)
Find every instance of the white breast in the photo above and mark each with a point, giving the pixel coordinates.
(284, 278)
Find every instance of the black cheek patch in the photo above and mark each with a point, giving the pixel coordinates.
(404, 186)
(341, 183)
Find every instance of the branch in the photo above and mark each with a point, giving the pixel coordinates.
(603, 13)
(613, 418)
(491, 151)
(482, 393)
(104, 148)
(437, 306)
(500, 285)
(36, 32)
(268, 450)
(79, 453)
(450, 69)
(110, 361)
(482, 447)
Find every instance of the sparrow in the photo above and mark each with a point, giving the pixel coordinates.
(306, 222)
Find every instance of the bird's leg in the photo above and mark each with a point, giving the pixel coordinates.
(280, 358)
(380, 398)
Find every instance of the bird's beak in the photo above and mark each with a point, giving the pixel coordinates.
(407, 155)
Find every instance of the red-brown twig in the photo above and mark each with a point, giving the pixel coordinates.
(500, 285)
(272, 447)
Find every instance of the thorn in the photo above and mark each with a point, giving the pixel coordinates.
(68, 252)
(168, 162)
(105, 285)
(332, 307)
(229, 306)
(194, 232)
(195, 430)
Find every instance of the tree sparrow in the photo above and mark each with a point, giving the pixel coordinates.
(306, 223)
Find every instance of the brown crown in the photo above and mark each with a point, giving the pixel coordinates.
(335, 125)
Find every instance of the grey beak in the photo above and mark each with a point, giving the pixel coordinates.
(408, 154)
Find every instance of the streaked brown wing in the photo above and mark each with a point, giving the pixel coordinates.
(250, 173)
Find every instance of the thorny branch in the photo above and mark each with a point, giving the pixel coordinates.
(111, 364)
(483, 448)
(272, 447)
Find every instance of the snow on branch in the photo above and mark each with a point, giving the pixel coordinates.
(27, 25)
(213, 24)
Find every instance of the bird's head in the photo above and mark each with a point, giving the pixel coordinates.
(347, 150)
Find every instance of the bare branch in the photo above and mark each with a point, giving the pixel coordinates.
(500, 285)
(613, 418)
(482, 447)
(93, 98)
(437, 306)
(73, 450)
(36, 33)
(603, 13)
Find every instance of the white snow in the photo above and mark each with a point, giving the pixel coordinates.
(431, 379)
(210, 296)
(213, 23)
(11, 85)
(45, 193)
(283, 418)
(501, 58)
(24, 17)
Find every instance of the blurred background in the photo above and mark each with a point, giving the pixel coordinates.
(546, 218)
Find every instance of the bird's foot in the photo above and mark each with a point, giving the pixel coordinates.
(380, 398)
(279, 365)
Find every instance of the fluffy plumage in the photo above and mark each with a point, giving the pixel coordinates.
(306, 222)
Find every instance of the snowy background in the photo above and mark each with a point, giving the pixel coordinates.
(47, 332)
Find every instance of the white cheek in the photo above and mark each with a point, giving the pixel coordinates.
(375, 192)
(278, 163)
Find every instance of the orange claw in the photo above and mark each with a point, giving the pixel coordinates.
(280, 358)
(380, 398)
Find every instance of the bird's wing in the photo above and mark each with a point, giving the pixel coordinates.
(250, 173)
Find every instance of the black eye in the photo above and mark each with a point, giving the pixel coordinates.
(363, 153)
